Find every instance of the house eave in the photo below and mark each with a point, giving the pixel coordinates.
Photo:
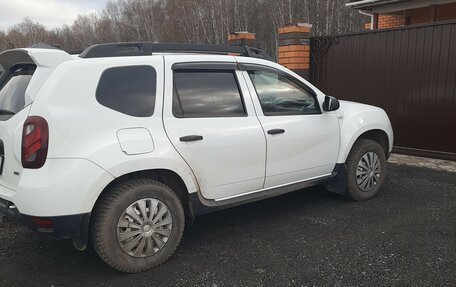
(391, 6)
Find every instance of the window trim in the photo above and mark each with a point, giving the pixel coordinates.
(256, 67)
(208, 67)
(128, 66)
(204, 66)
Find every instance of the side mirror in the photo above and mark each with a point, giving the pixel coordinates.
(330, 104)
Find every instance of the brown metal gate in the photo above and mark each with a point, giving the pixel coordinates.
(410, 72)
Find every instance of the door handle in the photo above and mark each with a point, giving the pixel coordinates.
(191, 138)
(276, 131)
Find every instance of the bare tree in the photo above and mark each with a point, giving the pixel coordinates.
(194, 21)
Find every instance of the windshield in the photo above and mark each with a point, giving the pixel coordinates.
(12, 92)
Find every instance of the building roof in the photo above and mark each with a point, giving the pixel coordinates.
(389, 6)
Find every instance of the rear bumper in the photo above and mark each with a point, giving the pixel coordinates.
(62, 187)
(60, 227)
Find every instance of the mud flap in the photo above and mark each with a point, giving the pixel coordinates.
(339, 183)
(80, 242)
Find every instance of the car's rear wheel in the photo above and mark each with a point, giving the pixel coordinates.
(366, 170)
(137, 225)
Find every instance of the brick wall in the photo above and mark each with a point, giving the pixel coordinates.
(416, 16)
(390, 21)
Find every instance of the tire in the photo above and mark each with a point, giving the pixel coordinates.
(360, 188)
(116, 225)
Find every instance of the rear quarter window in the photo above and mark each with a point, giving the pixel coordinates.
(129, 90)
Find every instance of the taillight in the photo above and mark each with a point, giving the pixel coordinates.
(35, 138)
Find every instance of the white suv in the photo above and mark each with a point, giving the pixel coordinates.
(126, 143)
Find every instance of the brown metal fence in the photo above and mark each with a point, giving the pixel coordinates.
(410, 72)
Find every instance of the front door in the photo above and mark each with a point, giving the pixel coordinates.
(212, 124)
(302, 141)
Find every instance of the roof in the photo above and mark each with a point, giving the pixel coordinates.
(390, 6)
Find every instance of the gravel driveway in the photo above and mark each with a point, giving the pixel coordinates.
(405, 236)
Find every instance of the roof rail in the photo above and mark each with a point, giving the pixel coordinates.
(147, 48)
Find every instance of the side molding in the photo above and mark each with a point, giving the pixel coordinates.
(201, 206)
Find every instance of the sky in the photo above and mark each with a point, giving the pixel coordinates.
(50, 13)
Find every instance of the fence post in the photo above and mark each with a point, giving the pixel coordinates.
(294, 48)
(239, 39)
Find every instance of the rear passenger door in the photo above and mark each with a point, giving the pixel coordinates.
(209, 117)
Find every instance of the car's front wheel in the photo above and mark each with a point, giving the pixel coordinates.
(366, 170)
(137, 225)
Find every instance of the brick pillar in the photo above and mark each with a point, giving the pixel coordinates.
(294, 48)
(239, 39)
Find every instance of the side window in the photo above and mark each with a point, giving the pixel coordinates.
(279, 94)
(129, 90)
(207, 93)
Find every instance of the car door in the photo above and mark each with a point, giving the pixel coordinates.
(209, 118)
(302, 141)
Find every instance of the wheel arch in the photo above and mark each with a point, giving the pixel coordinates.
(168, 177)
(377, 134)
